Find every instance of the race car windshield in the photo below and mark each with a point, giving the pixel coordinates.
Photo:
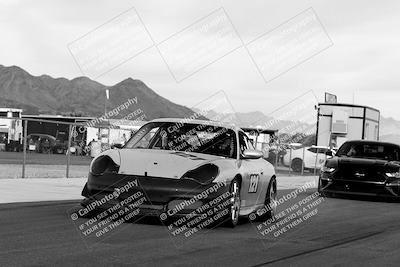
(200, 138)
(371, 151)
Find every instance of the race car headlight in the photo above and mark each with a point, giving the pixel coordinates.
(204, 174)
(393, 174)
(327, 169)
(103, 164)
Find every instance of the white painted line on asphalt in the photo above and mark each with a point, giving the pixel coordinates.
(40, 189)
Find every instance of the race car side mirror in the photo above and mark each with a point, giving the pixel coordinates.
(252, 154)
(329, 153)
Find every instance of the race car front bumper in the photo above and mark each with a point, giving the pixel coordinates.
(151, 195)
(388, 188)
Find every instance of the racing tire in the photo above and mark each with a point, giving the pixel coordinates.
(321, 192)
(270, 202)
(232, 218)
(297, 165)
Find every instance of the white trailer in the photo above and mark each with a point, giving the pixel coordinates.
(338, 123)
(109, 133)
(10, 129)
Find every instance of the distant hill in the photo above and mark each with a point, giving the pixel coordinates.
(389, 126)
(80, 96)
(392, 138)
(390, 130)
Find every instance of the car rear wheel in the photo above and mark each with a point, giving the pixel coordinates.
(234, 208)
(271, 200)
(297, 165)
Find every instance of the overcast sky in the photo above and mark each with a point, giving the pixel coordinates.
(362, 64)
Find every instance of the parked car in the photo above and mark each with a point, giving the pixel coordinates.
(363, 167)
(309, 158)
(174, 162)
(61, 145)
(42, 143)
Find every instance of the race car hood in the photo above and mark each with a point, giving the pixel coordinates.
(375, 166)
(377, 163)
(160, 163)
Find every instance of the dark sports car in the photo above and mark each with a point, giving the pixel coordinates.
(364, 168)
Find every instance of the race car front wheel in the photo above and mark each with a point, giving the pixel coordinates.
(234, 209)
(321, 190)
(297, 165)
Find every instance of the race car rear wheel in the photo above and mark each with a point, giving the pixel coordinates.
(271, 200)
(234, 209)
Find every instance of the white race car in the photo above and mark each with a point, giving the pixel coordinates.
(184, 167)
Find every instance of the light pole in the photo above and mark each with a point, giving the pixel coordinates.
(105, 101)
(105, 114)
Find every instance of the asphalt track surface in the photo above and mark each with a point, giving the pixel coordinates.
(345, 231)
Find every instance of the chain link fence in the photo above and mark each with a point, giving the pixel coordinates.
(56, 149)
(44, 148)
(296, 159)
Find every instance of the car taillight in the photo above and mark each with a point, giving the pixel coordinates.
(103, 164)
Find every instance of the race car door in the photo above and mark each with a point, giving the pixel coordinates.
(254, 187)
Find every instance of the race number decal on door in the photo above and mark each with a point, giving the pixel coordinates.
(253, 183)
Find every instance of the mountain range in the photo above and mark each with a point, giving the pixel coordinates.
(389, 130)
(80, 96)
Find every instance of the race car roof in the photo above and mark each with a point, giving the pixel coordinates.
(372, 142)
